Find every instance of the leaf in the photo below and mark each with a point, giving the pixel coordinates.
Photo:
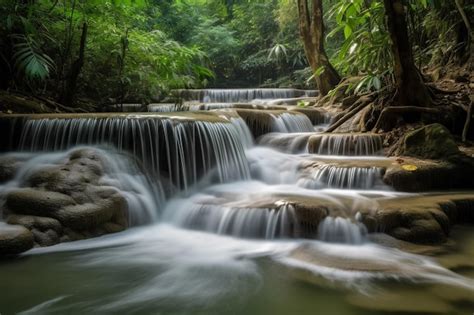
(347, 31)
(409, 167)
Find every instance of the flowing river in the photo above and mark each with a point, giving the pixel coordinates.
(218, 223)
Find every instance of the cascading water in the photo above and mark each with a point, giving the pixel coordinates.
(166, 108)
(345, 144)
(241, 95)
(341, 230)
(260, 223)
(288, 123)
(181, 149)
(345, 177)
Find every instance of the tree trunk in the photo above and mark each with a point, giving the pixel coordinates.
(311, 27)
(70, 90)
(411, 90)
(470, 62)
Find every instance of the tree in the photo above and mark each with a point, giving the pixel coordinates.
(411, 90)
(311, 27)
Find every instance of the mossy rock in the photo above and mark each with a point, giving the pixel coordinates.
(429, 142)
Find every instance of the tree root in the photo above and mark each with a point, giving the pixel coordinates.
(355, 108)
(389, 111)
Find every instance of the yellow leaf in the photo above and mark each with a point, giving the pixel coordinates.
(409, 167)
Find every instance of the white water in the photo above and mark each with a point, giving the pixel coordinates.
(241, 95)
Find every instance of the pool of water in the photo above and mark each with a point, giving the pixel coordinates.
(167, 270)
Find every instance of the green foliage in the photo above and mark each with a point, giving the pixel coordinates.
(139, 50)
(141, 65)
(366, 45)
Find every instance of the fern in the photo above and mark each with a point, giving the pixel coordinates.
(29, 60)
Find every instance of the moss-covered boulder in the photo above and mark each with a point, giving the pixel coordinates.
(429, 142)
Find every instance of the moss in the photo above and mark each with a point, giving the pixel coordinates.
(429, 142)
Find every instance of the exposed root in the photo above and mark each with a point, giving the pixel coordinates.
(355, 108)
(388, 114)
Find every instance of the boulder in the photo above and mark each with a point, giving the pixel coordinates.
(35, 222)
(415, 175)
(69, 201)
(8, 168)
(92, 215)
(429, 142)
(36, 202)
(422, 219)
(14, 239)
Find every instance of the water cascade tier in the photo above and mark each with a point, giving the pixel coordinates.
(259, 210)
(180, 147)
(346, 144)
(261, 122)
(241, 95)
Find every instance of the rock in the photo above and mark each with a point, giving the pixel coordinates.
(259, 122)
(14, 239)
(36, 202)
(8, 168)
(429, 142)
(414, 175)
(316, 116)
(113, 227)
(47, 238)
(35, 222)
(69, 201)
(425, 219)
(91, 215)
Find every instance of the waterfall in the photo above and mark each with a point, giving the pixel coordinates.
(341, 230)
(166, 108)
(178, 148)
(290, 143)
(344, 177)
(263, 223)
(345, 144)
(288, 123)
(241, 95)
(243, 130)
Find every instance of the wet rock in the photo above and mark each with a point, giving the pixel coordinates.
(8, 168)
(14, 239)
(35, 222)
(47, 238)
(69, 201)
(415, 175)
(91, 215)
(36, 202)
(429, 142)
(420, 219)
(316, 116)
(259, 122)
